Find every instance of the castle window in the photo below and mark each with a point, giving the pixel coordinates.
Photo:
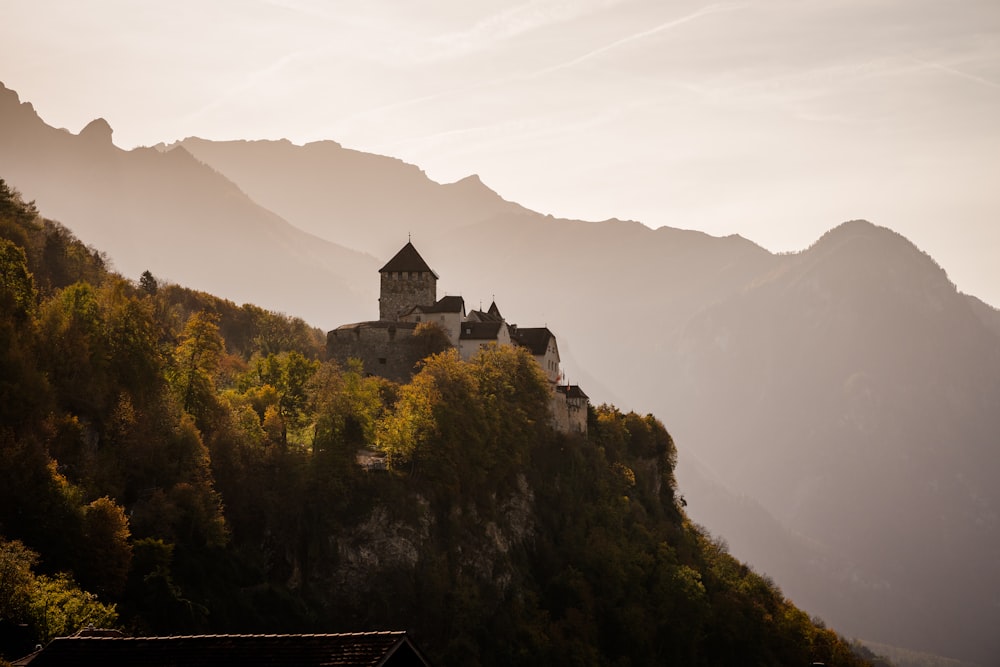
(381, 360)
(418, 318)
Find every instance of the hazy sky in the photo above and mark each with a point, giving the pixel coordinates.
(772, 119)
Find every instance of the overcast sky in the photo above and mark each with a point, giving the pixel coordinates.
(772, 119)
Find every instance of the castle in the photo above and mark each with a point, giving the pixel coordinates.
(388, 347)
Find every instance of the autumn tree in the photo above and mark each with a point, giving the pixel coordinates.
(148, 283)
(52, 606)
(196, 359)
(106, 551)
(17, 285)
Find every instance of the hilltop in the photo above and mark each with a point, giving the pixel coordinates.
(200, 476)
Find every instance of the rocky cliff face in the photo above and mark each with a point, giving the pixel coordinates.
(484, 546)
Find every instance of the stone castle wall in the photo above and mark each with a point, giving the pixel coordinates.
(387, 349)
(402, 290)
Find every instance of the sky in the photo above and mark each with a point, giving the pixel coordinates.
(772, 119)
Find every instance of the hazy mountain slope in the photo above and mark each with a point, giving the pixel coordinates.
(861, 396)
(847, 393)
(171, 214)
(742, 352)
(611, 289)
(344, 195)
(771, 368)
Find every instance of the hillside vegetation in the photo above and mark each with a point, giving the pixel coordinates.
(173, 463)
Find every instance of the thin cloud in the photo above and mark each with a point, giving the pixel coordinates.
(252, 80)
(669, 25)
(941, 67)
(515, 21)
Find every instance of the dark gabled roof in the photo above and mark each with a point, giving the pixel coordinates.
(536, 339)
(368, 649)
(446, 304)
(480, 330)
(571, 391)
(407, 259)
(377, 324)
(492, 315)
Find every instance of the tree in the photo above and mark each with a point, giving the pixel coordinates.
(59, 608)
(282, 383)
(429, 338)
(148, 284)
(17, 286)
(16, 579)
(106, 550)
(196, 359)
(54, 606)
(77, 360)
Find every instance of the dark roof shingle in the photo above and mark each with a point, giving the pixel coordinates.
(480, 330)
(407, 259)
(536, 339)
(446, 304)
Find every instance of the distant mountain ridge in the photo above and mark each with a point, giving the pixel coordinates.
(171, 214)
(848, 391)
(338, 193)
(867, 390)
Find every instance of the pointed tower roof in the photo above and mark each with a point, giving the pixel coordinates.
(494, 311)
(407, 259)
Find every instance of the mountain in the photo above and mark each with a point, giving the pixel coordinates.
(835, 409)
(861, 394)
(338, 193)
(168, 213)
(770, 369)
(176, 464)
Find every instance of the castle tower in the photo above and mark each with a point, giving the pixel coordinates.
(407, 281)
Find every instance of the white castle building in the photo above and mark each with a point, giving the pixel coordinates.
(408, 297)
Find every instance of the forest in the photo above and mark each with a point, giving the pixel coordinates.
(174, 463)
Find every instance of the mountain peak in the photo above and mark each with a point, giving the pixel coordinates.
(97, 131)
(862, 252)
(7, 95)
(10, 99)
(472, 181)
(473, 184)
(853, 232)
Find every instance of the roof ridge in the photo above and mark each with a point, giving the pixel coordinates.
(232, 635)
(407, 259)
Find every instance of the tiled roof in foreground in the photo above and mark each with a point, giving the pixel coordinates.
(354, 649)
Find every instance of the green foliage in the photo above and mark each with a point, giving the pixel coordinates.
(17, 285)
(106, 551)
(16, 579)
(196, 360)
(194, 462)
(429, 339)
(148, 283)
(60, 608)
(52, 606)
